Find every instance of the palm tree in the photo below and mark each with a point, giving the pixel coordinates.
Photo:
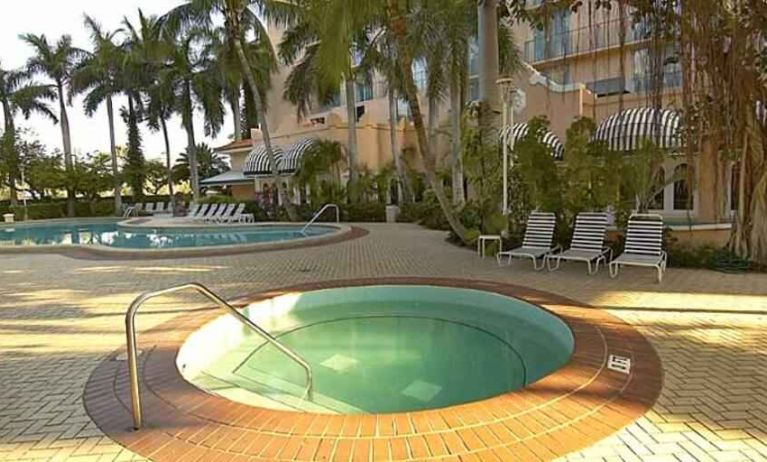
(57, 61)
(160, 104)
(139, 66)
(196, 82)
(487, 25)
(99, 75)
(19, 93)
(397, 23)
(209, 163)
(324, 62)
(239, 21)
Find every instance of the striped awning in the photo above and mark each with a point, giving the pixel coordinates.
(518, 131)
(257, 162)
(294, 153)
(626, 130)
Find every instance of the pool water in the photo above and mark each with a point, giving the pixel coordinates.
(111, 235)
(379, 349)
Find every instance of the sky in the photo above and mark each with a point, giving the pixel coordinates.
(57, 17)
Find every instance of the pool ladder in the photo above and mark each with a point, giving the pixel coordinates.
(318, 214)
(130, 330)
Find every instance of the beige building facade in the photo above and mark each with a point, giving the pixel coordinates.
(571, 70)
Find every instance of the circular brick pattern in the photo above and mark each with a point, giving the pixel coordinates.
(572, 408)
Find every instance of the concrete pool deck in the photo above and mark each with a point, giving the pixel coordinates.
(61, 317)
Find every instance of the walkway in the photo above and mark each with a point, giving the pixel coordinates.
(59, 317)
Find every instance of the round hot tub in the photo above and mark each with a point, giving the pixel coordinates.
(378, 349)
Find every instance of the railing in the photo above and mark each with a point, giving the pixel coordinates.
(129, 210)
(130, 330)
(601, 35)
(318, 214)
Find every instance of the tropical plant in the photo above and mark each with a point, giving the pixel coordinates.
(98, 75)
(133, 169)
(397, 24)
(156, 175)
(209, 163)
(19, 94)
(320, 64)
(240, 21)
(57, 62)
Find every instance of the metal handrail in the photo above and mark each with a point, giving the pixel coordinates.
(318, 214)
(130, 330)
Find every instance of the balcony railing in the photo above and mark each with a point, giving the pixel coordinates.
(603, 35)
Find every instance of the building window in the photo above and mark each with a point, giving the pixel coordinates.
(659, 185)
(683, 199)
(363, 87)
(419, 74)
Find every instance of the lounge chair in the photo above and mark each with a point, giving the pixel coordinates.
(193, 209)
(223, 211)
(644, 245)
(201, 211)
(588, 244)
(149, 208)
(539, 235)
(212, 211)
(233, 215)
(159, 207)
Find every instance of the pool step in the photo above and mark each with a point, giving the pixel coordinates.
(262, 389)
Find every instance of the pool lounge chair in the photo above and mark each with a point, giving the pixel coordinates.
(233, 214)
(159, 207)
(644, 245)
(536, 245)
(212, 210)
(193, 209)
(588, 244)
(201, 211)
(149, 208)
(224, 210)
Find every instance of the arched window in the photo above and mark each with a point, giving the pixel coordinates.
(659, 185)
(682, 193)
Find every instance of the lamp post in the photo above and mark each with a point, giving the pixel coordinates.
(506, 85)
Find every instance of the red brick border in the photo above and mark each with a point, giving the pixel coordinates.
(572, 408)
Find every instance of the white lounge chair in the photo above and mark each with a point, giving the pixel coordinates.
(644, 245)
(588, 244)
(233, 214)
(223, 211)
(201, 211)
(149, 208)
(159, 207)
(212, 211)
(193, 209)
(537, 243)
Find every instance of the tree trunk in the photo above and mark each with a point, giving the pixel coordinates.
(113, 154)
(404, 191)
(191, 145)
(432, 121)
(67, 141)
(456, 111)
(351, 115)
(488, 67)
(236, 114)
(168, 165)
(266, 138)
(398, 28)
(10, 131)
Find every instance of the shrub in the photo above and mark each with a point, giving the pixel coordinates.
(364, 212)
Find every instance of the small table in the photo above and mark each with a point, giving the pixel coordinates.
(482, 242)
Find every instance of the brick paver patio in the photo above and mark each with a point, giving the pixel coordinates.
(60, 317)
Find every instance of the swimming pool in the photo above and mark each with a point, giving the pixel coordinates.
(378, 349)
(110, 234)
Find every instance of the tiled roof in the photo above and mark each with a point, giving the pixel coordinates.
(235, 146)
